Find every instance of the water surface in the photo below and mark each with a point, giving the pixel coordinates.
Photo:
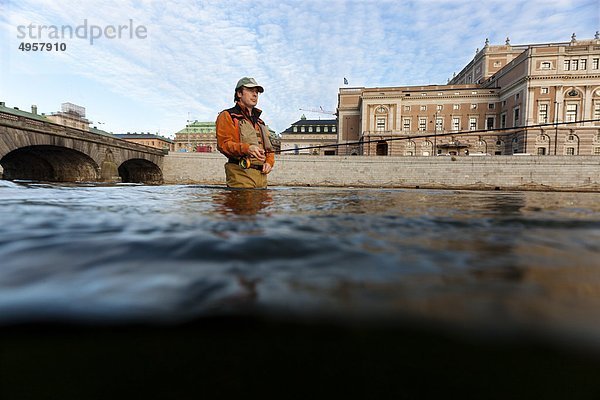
(509, 261)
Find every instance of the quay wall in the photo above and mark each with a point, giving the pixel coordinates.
(564, 173)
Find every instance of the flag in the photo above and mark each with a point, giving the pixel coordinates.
(345, 81)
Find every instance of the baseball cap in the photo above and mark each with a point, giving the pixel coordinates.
(249, 83)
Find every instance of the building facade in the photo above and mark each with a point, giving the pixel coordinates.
(70, 115)
(202, 137)
(197, 137)
(305, 134)
(514, 99)
(149, 139)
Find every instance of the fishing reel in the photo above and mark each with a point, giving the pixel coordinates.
(245, 163)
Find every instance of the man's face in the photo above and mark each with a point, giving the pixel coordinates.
(249, 97)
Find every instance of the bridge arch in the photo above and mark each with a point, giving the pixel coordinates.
(49, 163)
(139, 170)
(32, 148)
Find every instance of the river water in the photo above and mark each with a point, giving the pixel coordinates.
(509, 261)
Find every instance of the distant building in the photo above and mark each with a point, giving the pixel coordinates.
(71, 115)
(202, 137)
(310, 133)
(502, 88)
(197, 137)
(149, 139)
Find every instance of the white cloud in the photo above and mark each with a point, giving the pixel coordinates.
(299, 50)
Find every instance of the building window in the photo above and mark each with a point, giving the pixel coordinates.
(456, 107)
(325, 129)
(473, 106)
(597, 111)
(472, 123)
(439, 107)
(583, 64)
(541, 151)
(406, 124)
(489, 123)
(544, 90)
(456, 123)
(333, 128)
(406, 108)
(439, 124)
(423, 108)
(571, 115)
(574, 65)
(567, 65)
(302, 129)
(570, 151)
(381, 124)
(318, 129)
(310, 128)
(491, 106)
(595, 63)
(422, 124)
(545, 65)
(503, 121)
(516, 117)
(543, 114)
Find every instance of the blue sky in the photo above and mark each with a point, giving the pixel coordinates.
(192, 53)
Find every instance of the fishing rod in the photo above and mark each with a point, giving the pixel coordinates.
(476, 131)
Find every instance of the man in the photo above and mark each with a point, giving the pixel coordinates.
(244, 139)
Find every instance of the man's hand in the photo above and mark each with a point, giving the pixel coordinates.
(266, 168)
(257, 152)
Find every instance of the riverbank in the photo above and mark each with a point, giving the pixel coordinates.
(524, 172)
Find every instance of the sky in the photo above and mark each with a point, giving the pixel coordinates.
(151, 66)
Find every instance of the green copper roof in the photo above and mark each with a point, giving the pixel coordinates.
(199, 127)
(21, 113)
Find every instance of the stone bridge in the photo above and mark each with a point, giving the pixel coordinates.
(34, 149)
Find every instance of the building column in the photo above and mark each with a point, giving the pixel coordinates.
(587, 112)
(531, 105)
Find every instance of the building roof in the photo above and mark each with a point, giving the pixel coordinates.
(315, 122)
(20, 113)
(100, 132)
(311, 122)
(199, 127)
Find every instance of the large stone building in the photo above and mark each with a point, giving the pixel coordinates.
(307, 133)
(507, 100)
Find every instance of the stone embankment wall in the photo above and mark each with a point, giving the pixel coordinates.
(571, 173)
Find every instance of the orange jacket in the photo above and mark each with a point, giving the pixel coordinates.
(228, 134)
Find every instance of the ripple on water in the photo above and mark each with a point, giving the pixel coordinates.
(176, 252)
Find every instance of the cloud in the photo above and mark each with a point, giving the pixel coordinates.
(299, 50)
